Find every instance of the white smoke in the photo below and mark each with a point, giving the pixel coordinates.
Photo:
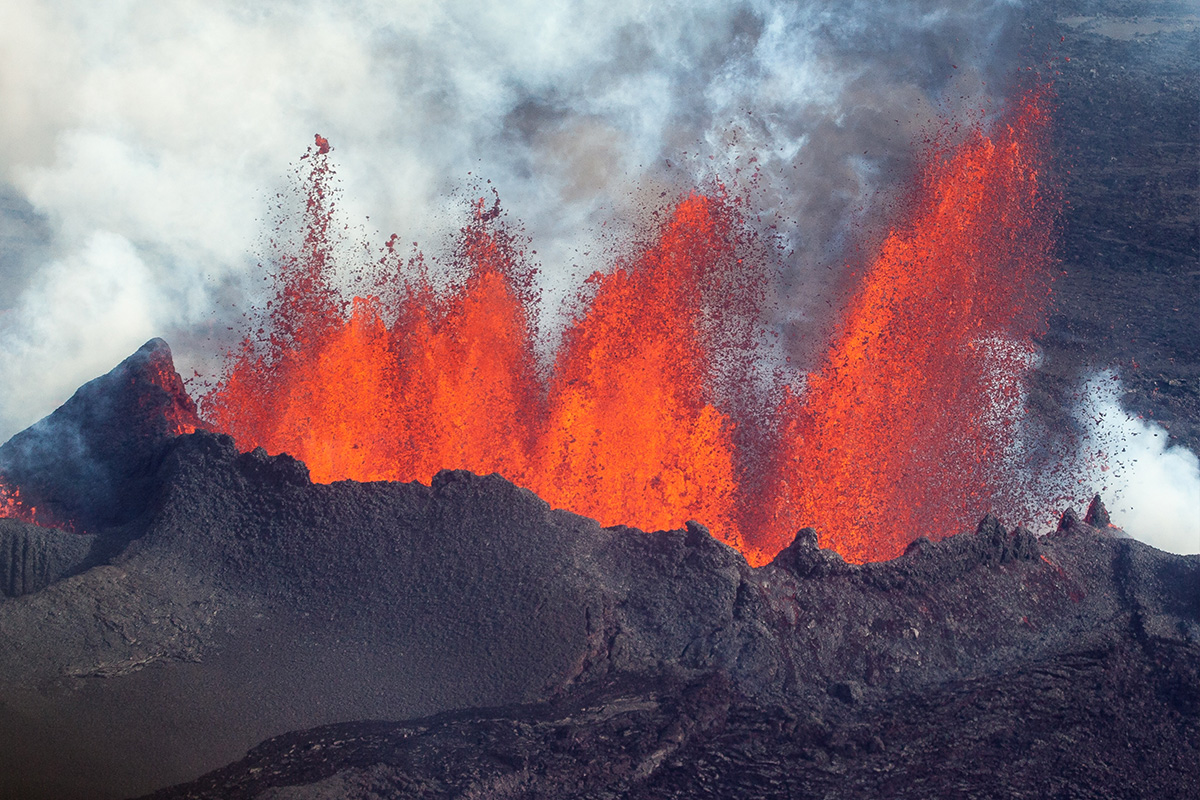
(106, 283)
(145, 142)
(1151, 488)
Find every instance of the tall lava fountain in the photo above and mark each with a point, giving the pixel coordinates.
(652, 411)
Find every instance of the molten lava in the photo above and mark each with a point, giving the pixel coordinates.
(632, 433)
(901, 432)
(449, 383)
(904, 428)
(12, 506)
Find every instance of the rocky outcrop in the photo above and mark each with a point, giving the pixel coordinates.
(91, 461)
(32, 557)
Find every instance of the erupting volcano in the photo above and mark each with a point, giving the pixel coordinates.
(653, 411)
(757, 478)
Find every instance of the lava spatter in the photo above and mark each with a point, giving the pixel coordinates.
(633, 435)
(904, 428)
(641, 420)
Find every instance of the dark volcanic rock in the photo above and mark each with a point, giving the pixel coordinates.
(1069, 523)
(610, 735)
(1097, 514)
(1098, 724)
(32, 557)
(804, 557)
(91, 462)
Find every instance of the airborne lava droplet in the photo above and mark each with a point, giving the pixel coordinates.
(646, 416)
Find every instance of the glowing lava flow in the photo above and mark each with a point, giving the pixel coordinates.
(13, 507)
(901, 432)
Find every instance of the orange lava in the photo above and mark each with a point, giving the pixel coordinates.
(632, 435)
(13, 507)
(900, 433)
(449, 384)
(904, 429)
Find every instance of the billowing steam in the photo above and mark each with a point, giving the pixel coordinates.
(1152, 488)
(144, 143)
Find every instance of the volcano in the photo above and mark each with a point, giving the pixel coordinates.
(231, 598)
(222, 597)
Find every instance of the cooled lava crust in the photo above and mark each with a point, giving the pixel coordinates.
(213, 603)
(235, 601)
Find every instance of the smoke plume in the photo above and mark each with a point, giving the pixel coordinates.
(146, 143)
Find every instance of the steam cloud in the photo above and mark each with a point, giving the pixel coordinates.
(145, 142)
(1152, 489)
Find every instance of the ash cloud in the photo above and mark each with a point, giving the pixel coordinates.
(145, 142)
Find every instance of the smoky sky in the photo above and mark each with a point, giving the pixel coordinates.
(145, 142)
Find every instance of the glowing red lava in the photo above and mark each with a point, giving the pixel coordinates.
(901, 432)
(904, 428)
(13, 507)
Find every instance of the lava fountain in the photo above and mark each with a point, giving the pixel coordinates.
(646, 414)
(905, 427)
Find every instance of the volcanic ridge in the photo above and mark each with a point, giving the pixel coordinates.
(188, 616)
(210, 599)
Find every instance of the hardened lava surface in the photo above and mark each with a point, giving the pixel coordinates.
(1099, 724)
(244, 601)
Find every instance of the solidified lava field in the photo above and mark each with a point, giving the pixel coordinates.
(1130, 240)
(229, 599)
(192, 617)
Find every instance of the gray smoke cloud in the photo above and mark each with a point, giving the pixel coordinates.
(145, 142)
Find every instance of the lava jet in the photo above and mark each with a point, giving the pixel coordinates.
(405, 544)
